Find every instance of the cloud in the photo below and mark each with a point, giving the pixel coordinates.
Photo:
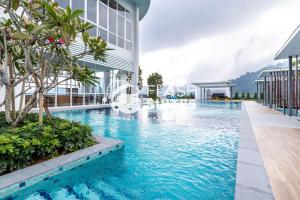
(172, 23)
(216, 45)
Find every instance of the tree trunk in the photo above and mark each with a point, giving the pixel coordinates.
(26, 109)
(41, 92)
(48, 114)
(22, 96)
(41, 107)
(10, 84)
(7, 104)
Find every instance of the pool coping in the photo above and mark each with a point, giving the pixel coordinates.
(252, 181)
(70, 108)
(23, 178)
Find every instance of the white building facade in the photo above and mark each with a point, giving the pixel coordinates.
(117, 22)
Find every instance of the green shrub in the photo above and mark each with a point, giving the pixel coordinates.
(243, 95)
(236, 96)
(248, 95)
(30, 143)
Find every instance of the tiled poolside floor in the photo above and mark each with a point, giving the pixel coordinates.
(278, 138)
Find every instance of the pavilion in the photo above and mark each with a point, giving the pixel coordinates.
(280, 87)
(201, 92)
(273, 89)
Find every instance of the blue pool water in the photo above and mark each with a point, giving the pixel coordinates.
(173, 151)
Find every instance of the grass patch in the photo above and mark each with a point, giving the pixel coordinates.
(30, 143)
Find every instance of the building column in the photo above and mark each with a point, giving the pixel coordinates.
(283, 89)
(296, 85)
(200, 93)
(135, 76)
(257, 91)
(106, 81)
(279, 89)
(265, 91)
(83, 94)
(71, 93)
(290, 86)
(271, 91)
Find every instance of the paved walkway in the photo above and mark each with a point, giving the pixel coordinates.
(278, 138)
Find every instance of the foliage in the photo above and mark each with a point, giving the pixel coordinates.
(255, 95)
(155, 81)
(243, 95)
(35, 46)
(30, 143)
(248, 95)
(236, 96)
(140, 81)
(261, 95)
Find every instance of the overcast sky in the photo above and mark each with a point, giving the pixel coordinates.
(212, 40)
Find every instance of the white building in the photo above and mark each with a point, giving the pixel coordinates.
(206, 90)
(117, 22)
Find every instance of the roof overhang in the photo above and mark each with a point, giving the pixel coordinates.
(143, 6)
(291, 47)
(222, 84)
(268, 72)
(260, 81)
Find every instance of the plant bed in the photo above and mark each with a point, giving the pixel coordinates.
(29, 143)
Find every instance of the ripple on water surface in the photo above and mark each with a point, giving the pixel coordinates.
(173, 151)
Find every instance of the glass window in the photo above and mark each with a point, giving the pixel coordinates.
(112, 21)
(112, 39)
(93, 31)
(128, 14)
(121, 10)
(92, 10)
(128, 30)
(63, 3)
(129, 46)
(121, 26)
(78, 5)
(104, 1)
(121, 42)
(103, 34)
(113, 4)
(102, 15)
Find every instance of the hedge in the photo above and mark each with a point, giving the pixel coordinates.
(30, 143)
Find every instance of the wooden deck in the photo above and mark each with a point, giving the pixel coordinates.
(278, 138)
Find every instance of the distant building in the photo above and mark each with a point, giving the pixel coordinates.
(207, 90)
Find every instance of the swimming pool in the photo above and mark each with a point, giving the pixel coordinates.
(172, 151)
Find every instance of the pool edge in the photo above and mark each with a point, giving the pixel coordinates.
(252, 181)
(23, 178)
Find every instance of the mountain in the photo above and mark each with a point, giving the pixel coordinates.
(245, 84)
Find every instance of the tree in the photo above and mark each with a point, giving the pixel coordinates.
(261, 95)
(248, 95)
(243, 95)
(140, 81)
(255, 95)
(236, 96)
(155, 81)
(35, 42)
